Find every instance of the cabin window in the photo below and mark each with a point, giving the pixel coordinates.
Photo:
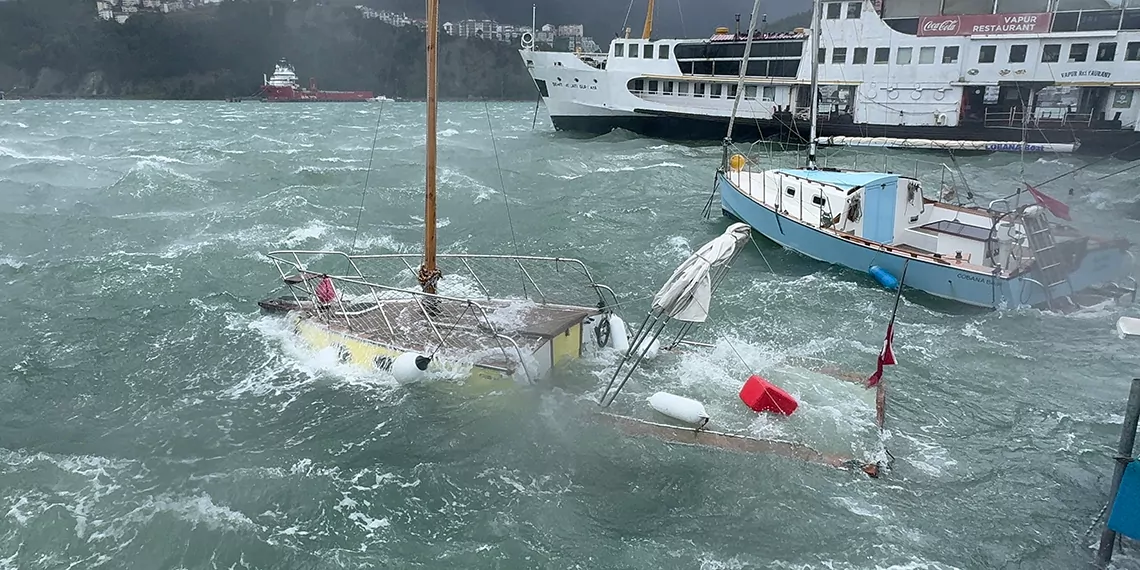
(882, 55)
(790, 191)
(682, 88)
(926, 54)
(638, 85)
(668, 87)
(653, 86)
(859, 57)
(854, 10)
(1017, 53)
(839, 56)
(1078, 52)
(1106, 51)
(619, 50)
(698, 90)
(904, 55)
(833, 9)
(716, 89)
(632, 50)
(1050, 53)
(769, 93)
(822, 55)
(732, 91)
(1132, 51)
(950, 54)
(662, 51)
(749, 91)
(647, 52)
(818, 200)
(986, 54)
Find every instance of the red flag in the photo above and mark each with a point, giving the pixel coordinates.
(1055, 206)
(886, 357)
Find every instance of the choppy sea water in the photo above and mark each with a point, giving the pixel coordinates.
(150, 417)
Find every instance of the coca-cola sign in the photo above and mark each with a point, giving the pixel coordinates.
(984, 24)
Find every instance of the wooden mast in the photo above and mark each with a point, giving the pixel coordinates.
(648, 22)
(429, 274)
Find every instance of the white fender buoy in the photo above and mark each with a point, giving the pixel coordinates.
(679, 408)
(652, 350)
(619, 336)
(1128, 326)
(409, 367)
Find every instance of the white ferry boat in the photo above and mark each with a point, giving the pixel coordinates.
(982, 74)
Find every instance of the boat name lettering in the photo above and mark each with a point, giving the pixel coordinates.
(1086, 73)
(574, 85)
(978, 278)
(984, 24)
(1014, 147)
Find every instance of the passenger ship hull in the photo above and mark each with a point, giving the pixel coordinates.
(1028, 82)
(692, 127)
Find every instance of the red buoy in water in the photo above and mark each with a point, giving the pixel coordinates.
(762, 396)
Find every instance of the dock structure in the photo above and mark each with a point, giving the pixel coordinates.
(1123, 509)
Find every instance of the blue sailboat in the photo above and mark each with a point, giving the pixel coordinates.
(995, 256)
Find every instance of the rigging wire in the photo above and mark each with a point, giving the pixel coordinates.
(367, 173)
(625, 22)
(681, 15)
(502, 182)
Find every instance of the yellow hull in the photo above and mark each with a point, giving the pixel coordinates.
(371, 355)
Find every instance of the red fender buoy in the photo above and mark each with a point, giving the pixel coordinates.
(762, 396)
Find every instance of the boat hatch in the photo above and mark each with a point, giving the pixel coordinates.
(951, 227)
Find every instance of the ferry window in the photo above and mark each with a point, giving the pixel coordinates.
(882, 55)
(653, 86)
(698, 90)
(859, 57)
(619, 50)
(839, 56)
(1050, 53)
(854, 10)
(732, 92)
(749, 91)
(1106, 51)
(668, 87)
(1078, 52)
(682, 88)
(950, 54)
(648, 52)
(769, 93)
(715, 90)
(833, 9)
(662, 51)
(986, 54)
(1017, 53)
(638, 85)
(1132, 51)
(904, 56)
(822, 55)
(926, 54)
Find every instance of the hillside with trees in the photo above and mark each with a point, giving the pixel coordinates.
(60, 48)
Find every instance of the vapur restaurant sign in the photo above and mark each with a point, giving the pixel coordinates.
(985, 24)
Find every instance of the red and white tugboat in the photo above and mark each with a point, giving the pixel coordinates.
(282, 87)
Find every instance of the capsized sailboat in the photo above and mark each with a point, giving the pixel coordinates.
(996, 256)
(481, 316)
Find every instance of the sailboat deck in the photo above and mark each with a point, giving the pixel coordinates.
(491, 333)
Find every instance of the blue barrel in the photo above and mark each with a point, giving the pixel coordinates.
(884, 277)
